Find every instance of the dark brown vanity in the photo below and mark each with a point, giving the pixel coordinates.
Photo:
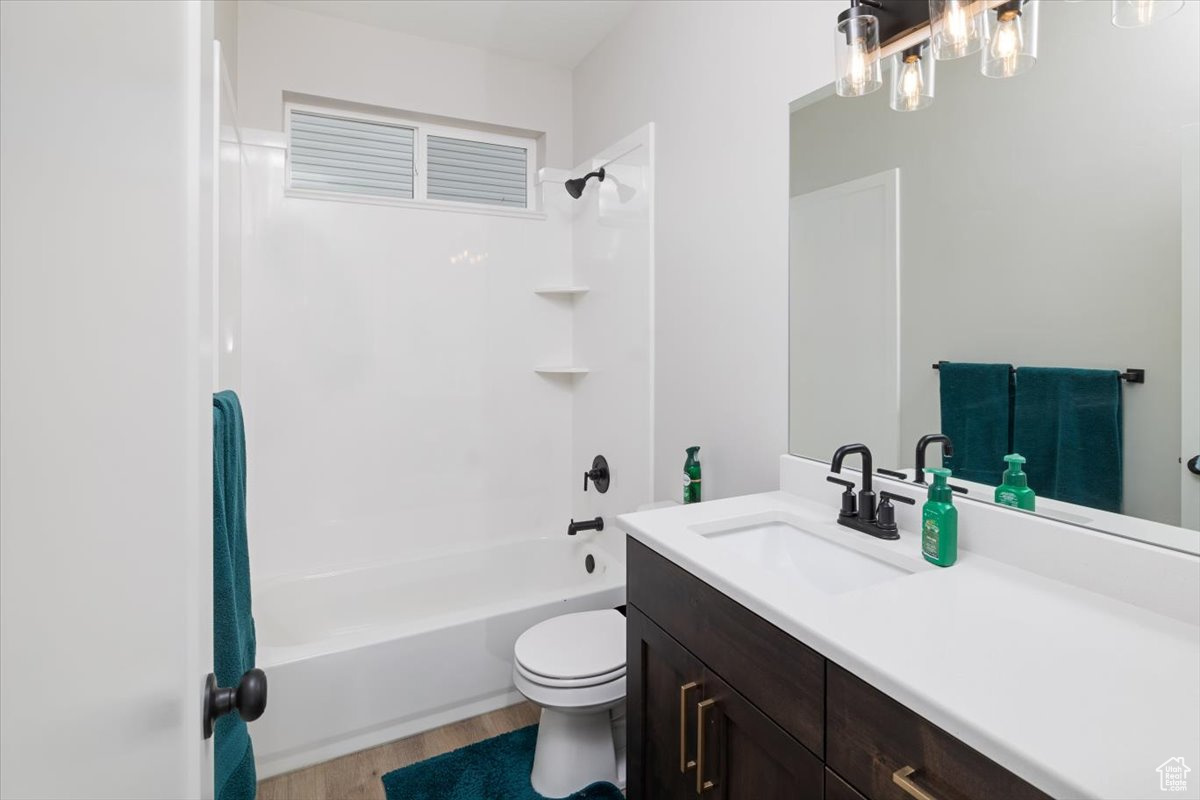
(722, 704)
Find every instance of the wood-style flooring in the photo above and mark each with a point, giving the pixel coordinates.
(357, 776)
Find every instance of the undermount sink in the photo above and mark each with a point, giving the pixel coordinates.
(778, 543)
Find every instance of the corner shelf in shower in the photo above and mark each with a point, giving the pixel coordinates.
(565, 369)
(561, 291)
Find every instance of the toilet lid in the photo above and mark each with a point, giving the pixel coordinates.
(583, 645)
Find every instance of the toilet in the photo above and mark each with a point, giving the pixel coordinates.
(573, 666)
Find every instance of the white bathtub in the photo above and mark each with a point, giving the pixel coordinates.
(360, 657)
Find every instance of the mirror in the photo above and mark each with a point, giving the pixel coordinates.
(1044, 220)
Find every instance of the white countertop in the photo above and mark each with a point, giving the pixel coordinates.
(1078, 693)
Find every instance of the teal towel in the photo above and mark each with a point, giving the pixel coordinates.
(1068, 427)
(233, 626)
(977, 416)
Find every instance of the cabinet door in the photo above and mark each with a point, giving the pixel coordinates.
(838, 789)
(743, 755)
(664, 686)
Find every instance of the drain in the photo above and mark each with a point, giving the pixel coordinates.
(589, 564)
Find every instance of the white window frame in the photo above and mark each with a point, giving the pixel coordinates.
(422, 130)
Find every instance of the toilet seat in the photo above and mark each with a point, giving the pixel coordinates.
(582, 649)
(567, 683)
(571, 699)
(574, 661)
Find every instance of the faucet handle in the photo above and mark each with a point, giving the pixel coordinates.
(887, 512)
(849, 503)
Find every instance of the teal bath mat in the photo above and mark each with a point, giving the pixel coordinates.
(494, 769)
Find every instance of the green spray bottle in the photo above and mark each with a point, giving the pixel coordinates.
(1015, 491)
(939, 522)
(691, 476)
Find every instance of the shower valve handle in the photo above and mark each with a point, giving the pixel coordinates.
(598, 475)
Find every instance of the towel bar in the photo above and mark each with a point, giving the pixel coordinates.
(1130, 375)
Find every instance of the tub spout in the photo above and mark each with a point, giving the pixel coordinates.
(596, 524)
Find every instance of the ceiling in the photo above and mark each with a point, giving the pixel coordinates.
(559, 32)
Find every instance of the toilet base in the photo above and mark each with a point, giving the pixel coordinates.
(573, 751)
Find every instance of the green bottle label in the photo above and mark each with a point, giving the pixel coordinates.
(1007, 498)
(930, 535)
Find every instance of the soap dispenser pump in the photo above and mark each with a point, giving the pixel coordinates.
(939, 522)
(1015, 491)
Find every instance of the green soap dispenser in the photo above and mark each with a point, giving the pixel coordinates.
(691, 476)
(939, 522)
(1015, 491)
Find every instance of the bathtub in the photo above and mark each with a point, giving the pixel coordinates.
(360, 657)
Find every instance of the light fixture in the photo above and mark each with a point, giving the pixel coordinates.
(1011, 30)
(957, 28)
(857, 50)
(912, 78)
(1140, 13)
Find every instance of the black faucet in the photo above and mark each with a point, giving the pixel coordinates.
(596, 524)
(923, 443)
(866, 498)
(860, 513)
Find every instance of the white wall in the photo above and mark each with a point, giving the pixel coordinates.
(716, 79)
(280, 49)
(391, 403)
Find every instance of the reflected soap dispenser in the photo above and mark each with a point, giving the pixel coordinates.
(939, 522)
(1015, 491)
(691, 476)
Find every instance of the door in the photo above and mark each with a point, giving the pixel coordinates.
(834, 254)
(1190, 444)
(664, 686)
(105, 398)
(743, 755)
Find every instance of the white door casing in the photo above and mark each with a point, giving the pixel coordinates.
(845, 355)
(1190, 345)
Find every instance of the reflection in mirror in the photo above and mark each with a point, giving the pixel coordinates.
(995, 266)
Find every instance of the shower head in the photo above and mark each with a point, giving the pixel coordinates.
(575, 185)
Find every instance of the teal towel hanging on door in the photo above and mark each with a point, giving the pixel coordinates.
(233, 625)
(1068, 424)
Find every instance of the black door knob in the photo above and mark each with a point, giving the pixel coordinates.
(1193, 465)
(249, 697)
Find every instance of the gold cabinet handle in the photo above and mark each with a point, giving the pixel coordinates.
(684, 763)
(701, 707)
(903, 778)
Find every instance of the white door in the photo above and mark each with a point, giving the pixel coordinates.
(105, 398)
(1190, 445)
(845, 357)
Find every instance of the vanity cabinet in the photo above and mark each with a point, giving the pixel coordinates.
(699, 736)
(724, 705)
